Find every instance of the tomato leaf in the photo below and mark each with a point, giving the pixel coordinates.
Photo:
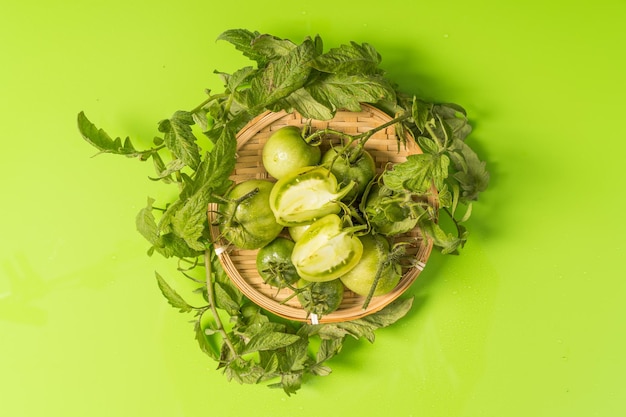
(280, 77)
(190, 220)
(269, 341)
(271, 47)
(242, 40)
(172, 296)
(224, 300)
(471, 173)
(418, 173)
(421, 112)
(302, 101)
(146, 223)
(203, 343)
(348, 91)
(211, 175)
(102, 141)
(349, 59)
(448, 243)
(180, 139)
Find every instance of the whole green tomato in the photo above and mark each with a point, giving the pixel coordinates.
(320, 298)
(246, 219)
(348, 167)
(273, 262)
(374, 261)
(286, 151)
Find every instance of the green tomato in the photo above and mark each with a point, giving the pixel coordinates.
(286, 151)
(246, 220)
(320, 298)
(360, 279)
(359, 168)
(273, 261)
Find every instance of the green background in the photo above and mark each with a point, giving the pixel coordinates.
(528, 321)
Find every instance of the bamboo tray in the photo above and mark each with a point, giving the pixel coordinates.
(240, 265)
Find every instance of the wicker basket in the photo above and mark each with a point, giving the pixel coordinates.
(240, 265)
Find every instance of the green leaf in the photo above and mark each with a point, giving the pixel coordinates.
(172, 296)
(428, 145)
(421, 112)
(353, 59)
(448, 243)
(238, 79)
(99, 139)
(211, 177)
(269, 361)
(290, 383)
(180, 139)
(203, 343)
(280, 77)
(271, 47)
(243, 371)
(389, 315)
(471, 173)
(455, 117)
(269, 341)
(224, 300)
(242, 40)
(164, 172)
(295, 357)
(329, 347)
(191, 221)
(170, 245)
(418, 173)
(165, 222)
(366, 326)
(341, 91)
(146, 223)
(302, 101)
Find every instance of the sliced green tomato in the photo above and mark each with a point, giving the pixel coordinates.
(306, 195)
(326, 250)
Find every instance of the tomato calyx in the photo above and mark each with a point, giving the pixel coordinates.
(273, 263)
(320, 298)
(350, 164)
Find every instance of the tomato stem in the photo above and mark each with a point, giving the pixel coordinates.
(212, 306)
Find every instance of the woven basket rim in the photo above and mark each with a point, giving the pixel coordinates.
(267, 298)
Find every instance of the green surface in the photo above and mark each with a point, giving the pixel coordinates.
(528, 321)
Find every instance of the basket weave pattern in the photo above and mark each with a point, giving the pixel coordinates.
(240, 265)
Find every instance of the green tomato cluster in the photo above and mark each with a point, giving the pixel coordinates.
(323, 253)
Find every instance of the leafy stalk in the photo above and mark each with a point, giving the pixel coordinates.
(213, 306)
